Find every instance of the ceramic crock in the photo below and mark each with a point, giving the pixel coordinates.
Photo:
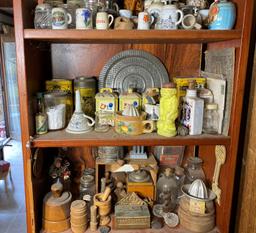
(222, 15)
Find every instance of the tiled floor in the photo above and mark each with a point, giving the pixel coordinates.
(12, 204)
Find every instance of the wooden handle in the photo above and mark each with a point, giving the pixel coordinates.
(57, 189)
(106, 193)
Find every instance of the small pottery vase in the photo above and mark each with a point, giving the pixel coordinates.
(123, 23)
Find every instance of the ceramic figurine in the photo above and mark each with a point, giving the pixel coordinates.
(222, 15)
(168, 111)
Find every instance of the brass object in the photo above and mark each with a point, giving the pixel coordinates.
(131, 213)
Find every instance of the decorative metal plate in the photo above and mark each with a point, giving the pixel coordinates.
(133, 69)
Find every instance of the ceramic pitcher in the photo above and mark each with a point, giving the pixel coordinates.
(168, 17)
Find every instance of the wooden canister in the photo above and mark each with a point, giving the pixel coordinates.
(56, 215)
(194, 221)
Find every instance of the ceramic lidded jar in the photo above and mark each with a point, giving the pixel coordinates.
(154, 10)
(222, 15)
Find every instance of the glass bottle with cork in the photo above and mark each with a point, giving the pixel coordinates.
(41, 116)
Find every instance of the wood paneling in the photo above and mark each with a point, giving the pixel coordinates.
(71, 60)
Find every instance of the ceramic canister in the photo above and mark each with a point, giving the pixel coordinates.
(87, 88)
(222, 15)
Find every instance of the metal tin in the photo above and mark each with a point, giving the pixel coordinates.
(87, 88)
(139, 176)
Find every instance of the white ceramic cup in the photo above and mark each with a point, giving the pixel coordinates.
(125, 13)
(60, 18)
(144, 20)
(83, 18)
(102, 20)
(189, 22)
(204, 15)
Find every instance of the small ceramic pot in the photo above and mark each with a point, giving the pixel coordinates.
(123, 23)
(133, 125)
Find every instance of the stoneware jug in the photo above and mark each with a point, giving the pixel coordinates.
(168, 17)
(222, 15)
(79, 121)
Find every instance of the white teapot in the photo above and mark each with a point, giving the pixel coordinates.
(168, 17)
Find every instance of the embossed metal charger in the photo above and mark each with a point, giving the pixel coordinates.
(133, 69)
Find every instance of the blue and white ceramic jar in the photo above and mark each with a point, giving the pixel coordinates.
(222, 15)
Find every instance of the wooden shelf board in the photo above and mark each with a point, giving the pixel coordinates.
(165, 229)
(111, 138)
(131, 36)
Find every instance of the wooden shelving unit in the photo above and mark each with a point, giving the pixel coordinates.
(131, 36)
(69, 53)
(111, 138)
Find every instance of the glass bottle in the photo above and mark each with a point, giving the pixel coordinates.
(194, 170)
(167, 190)
(211, 119)
(180, 179)
(41, 116)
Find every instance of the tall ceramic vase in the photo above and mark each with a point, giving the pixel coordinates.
(168, 111)
(79, 122)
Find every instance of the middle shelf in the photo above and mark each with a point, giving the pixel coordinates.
(111, 138)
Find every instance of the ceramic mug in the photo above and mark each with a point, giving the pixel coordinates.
(60, 18)
(125, 13)
(168, 18)
(102, 20)
(189, 22)
(83, 18)
(144, 20)
(133, 125)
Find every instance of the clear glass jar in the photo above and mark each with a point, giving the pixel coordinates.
(54, 3)
(56, 109)
(211, 119)
(167, 190)
(43, 16)
(194, 170)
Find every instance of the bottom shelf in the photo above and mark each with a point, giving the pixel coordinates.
(165, 229)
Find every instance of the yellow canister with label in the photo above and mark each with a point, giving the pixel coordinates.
(63, 85)
(129, 98)
(106, 105)
(87, 88)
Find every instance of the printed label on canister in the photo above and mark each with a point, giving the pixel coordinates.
(87, 100)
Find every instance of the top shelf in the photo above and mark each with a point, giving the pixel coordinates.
(131, 36)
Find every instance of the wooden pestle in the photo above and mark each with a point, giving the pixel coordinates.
(93, 213)
(106, 193)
